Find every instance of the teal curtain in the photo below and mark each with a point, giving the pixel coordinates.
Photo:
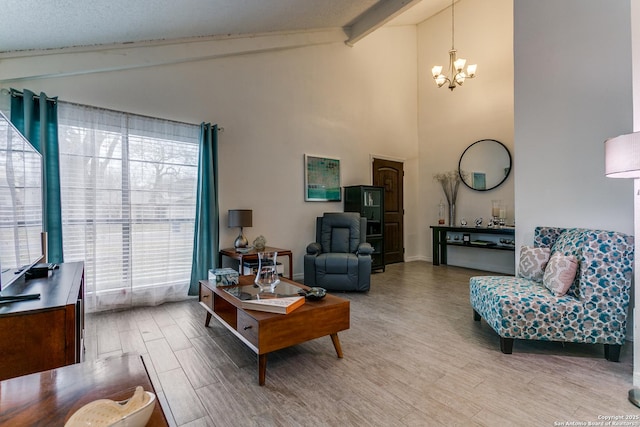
(205, 239)
(36, 116)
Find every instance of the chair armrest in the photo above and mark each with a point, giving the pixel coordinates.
(364, 249)
(314, 248)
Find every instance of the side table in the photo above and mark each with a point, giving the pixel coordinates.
(252, 255)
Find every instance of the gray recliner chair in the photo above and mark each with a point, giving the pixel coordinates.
(340, 258)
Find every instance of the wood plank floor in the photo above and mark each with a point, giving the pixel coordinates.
(413, 357)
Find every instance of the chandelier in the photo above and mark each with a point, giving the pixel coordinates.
(456, 65)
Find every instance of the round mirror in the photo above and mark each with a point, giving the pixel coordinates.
(484, 165)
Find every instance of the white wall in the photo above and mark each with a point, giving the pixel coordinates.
(635, 46)
(572, 91)
(325, 99)
(451, 121)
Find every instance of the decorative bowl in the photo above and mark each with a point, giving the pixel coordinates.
(315, 294)
(133, 412)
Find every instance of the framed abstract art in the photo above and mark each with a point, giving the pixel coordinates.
(321, 179)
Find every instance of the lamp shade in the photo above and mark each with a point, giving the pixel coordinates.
(622, 156)
(240, 217)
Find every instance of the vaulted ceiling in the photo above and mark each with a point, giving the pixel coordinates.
(38, 25)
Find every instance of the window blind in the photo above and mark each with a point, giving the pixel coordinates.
(128, 186)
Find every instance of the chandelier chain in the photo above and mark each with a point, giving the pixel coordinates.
(453, 26)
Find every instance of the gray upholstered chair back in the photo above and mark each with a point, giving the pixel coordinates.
(340, 232)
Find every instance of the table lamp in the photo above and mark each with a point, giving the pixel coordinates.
(240, 218)
(622, 160)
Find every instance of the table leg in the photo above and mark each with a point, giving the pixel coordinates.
(435, 236)
(206, 322)
(262, 368)
(443, 247)
(290, 267)
(336, 345)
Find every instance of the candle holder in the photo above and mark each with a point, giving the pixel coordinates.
(495, 211)
(503, 215)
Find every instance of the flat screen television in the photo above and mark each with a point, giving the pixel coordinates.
(21, 226)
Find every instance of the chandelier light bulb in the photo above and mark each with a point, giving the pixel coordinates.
(440, 80)
(471, 70)
(436, 71)
(459, 64)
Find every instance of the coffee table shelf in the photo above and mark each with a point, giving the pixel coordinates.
(266, 332)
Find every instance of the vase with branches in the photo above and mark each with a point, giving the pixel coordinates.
(450, 182)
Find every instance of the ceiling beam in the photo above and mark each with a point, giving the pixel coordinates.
(376, 17)
(15, 66)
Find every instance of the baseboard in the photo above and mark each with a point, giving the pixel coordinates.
(418, 258)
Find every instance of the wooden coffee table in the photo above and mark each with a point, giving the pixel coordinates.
(266, 332)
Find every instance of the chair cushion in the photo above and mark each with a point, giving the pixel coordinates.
(545, 237)
(571, 242)
(340, 232)
(533, 262)
(335, 263)
(339, 239)
(560, 273)
(521, 308)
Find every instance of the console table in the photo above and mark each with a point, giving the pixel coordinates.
(440, 241)
(44, 333)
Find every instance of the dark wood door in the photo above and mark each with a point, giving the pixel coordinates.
(390, 174)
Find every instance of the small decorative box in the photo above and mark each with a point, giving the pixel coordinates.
(223, 276)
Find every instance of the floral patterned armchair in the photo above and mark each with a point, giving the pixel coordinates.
(594, 307)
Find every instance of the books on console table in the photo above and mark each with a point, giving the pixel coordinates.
(283, 305)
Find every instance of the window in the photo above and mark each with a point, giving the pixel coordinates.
(128, 187)
(21, 206)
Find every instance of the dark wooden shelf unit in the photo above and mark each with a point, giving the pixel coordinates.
(368, 200)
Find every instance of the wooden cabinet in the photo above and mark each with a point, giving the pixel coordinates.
(45, 333)
(369, 202)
